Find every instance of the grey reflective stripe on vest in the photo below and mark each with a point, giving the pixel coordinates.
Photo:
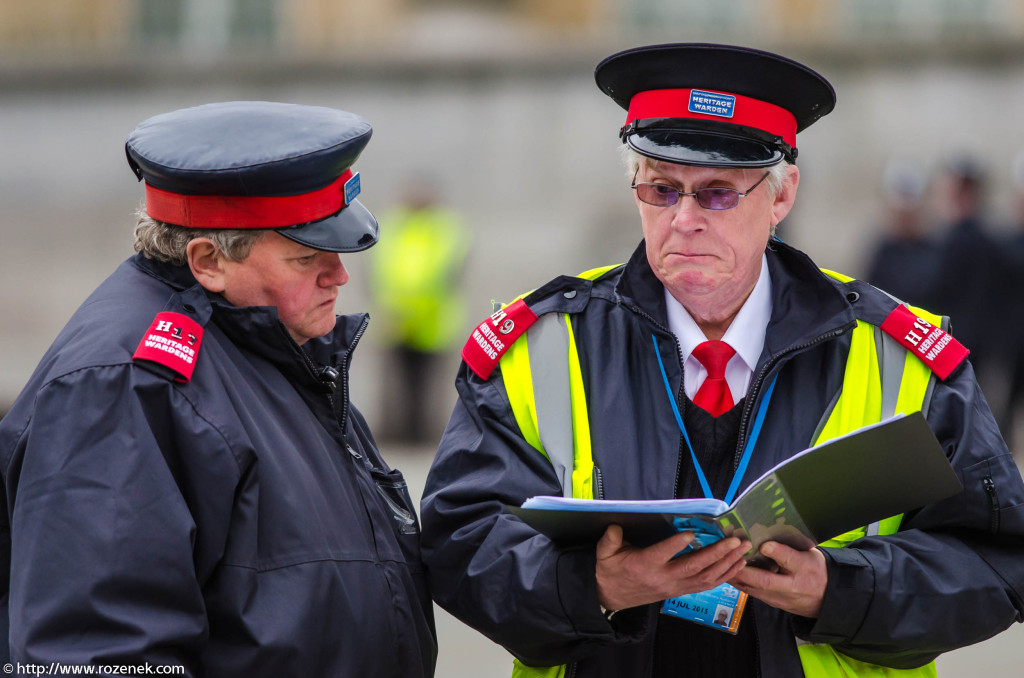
(891, 359)
(548, 343)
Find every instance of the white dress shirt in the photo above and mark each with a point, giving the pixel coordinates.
(745, 335)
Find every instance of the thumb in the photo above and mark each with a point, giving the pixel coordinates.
(783, 555)
(610, 542)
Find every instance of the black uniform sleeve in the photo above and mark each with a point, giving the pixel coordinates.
(954, 573)
(487, 567)
(122, 495)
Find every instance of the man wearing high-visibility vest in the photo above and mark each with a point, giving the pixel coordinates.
(414, 282)
(716, 352)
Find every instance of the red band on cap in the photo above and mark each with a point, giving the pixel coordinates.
(245, 211)
(494, 336)
(933, 345)
(676, 103)
(173, 340)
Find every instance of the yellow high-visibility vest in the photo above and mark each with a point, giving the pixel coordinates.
(544, 385)
(414, 278)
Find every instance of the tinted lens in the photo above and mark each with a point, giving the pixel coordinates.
(657, 194)
(718, 198)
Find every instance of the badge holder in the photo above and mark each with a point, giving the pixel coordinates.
(720, 608)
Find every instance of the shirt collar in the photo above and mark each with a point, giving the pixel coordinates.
(745, 334)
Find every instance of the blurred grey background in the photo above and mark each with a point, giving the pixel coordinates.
(495, 100)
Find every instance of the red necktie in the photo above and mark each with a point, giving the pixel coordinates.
(714, 395)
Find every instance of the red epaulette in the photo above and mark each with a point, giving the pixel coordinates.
(934, 346)
(173, 341)
(494, 336)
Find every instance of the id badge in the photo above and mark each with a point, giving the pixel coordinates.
(720, 608)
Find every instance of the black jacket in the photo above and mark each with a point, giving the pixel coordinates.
(242, 524)
(953, 575)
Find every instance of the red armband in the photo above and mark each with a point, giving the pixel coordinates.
(173, 341)
(494, 336)
(934, 346)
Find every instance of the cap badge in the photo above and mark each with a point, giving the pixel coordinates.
(352, 188)
(712, 103)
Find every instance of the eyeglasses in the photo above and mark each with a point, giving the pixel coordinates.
(712, 198)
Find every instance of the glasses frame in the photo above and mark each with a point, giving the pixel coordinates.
(695, 194)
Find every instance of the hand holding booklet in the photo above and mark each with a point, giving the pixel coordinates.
(870, 474)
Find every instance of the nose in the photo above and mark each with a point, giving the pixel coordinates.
(687, 214)
(334, 273)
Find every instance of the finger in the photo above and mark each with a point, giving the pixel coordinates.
(713, 562)
(753, 579)
(724, 559)
(787, 558)
(610, 542)
(735, 570)
(693, 572)
(667, 549)
(728, 549)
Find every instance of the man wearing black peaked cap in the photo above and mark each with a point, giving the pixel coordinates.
(187, 483)
(715, 353)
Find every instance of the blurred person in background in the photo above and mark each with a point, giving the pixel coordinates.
(966, 284)
(186, 481)
(1013, 280)
(415, 285)
(587, 387)
(904, 259)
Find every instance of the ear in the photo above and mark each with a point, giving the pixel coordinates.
(206, 263)
(786, 196)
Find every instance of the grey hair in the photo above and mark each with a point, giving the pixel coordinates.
(169, 243)
(776, 173)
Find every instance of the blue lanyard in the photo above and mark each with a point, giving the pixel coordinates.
(748, 450)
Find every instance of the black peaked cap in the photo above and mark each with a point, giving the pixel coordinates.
(737, 70)
(259, 149)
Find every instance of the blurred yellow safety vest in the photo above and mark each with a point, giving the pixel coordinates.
(416, 265)
(544, 385)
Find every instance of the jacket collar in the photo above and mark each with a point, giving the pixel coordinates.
(805, 303)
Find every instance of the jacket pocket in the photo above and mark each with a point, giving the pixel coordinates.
(394, 492)
(995, 485)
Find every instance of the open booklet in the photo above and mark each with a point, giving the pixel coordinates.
(848, 482)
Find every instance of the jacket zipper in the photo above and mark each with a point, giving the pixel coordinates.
(330, 375)
(993, 503)
(679, 393)
(344, 371)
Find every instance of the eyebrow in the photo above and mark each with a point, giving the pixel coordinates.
(706, 183)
